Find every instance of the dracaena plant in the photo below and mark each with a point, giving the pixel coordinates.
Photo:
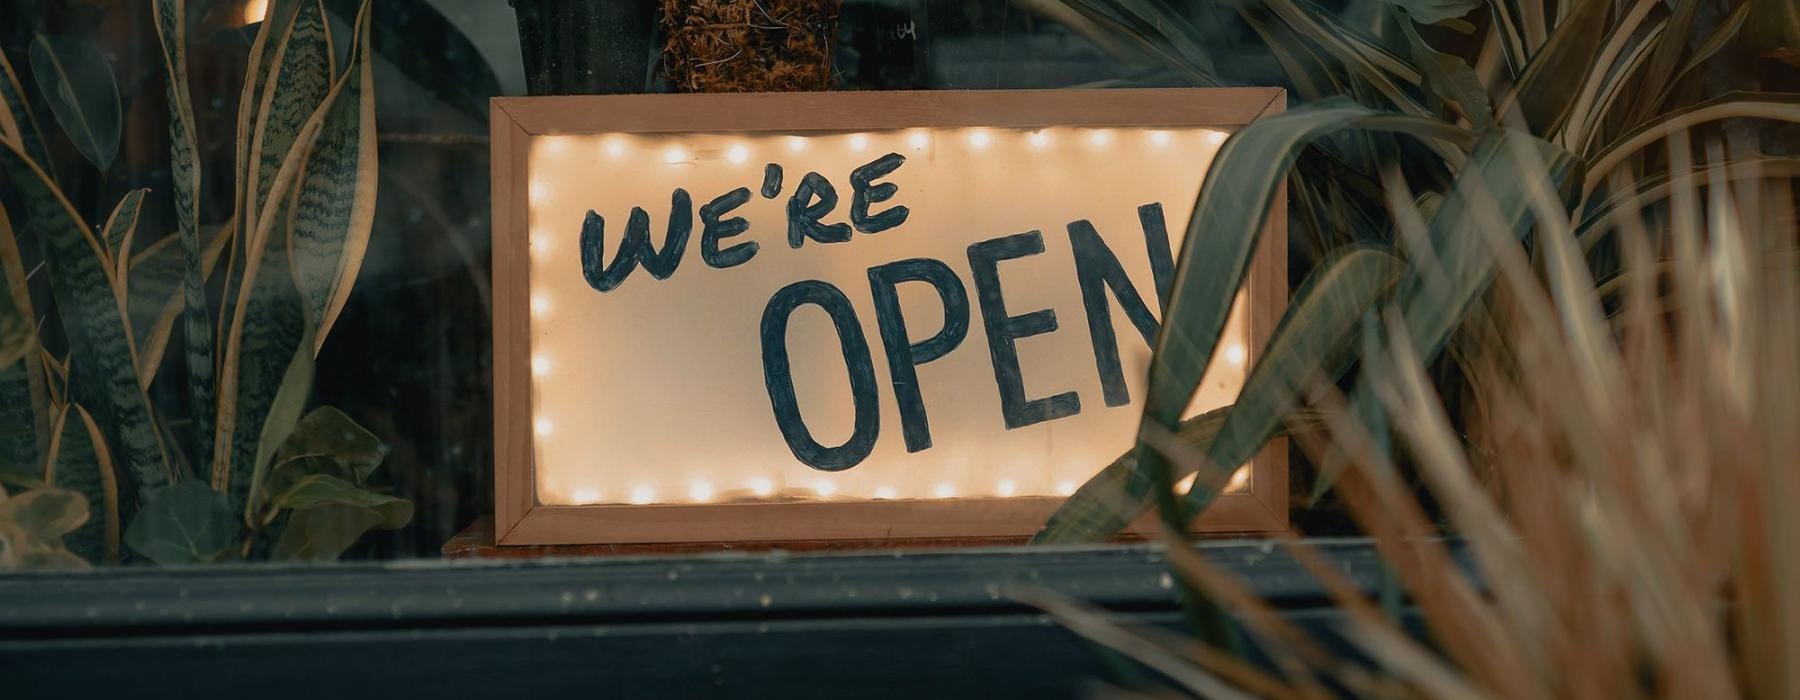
(245, 305)
(1414, 126)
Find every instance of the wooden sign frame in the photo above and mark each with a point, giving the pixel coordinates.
(522, 520)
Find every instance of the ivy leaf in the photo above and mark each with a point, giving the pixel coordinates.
(329, 514)
(78, 83)
(1451, 78)
(184, 524)
(45, 514)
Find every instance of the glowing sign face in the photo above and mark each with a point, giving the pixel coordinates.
(958, 315)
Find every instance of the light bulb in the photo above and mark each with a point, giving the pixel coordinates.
(1007, 488)
(642, 494)
(825, 488)
(1100, 137)
(1186, 484)
(762, 486)
(1065, 488)
(1239, 479)
(540, 366)
(944, 490)
(539, 192)
(540, 304)
(700, 490)
(615, 146)
(1235, 354)
(918, 140)
(980, 139)
(544, 426)
(738, 154)
(674, 155)
(885, 493)
(859, 142)
(1159, 138)
(1039, 140)
(796, 144)
(586, 495)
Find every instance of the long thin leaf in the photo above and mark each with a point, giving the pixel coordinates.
(104, 352)
(1546, 91)
(335, 205)
(78, 460)
(184, 163)
(1493, 191)
(17, 124)
(1222, 233)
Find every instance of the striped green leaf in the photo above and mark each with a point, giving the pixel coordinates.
(17, 124)
(104, 376)
(24, 399)
(77, 82)
(122, 222)
(300, 75)
(336, 199)
(79, 461)
(184, 163)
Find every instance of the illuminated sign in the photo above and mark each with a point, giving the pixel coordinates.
(845, 315)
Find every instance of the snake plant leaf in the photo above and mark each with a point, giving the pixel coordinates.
(283, 414)
(104, 376)
(1451, 78)
(17, 124)
(24, 400)
(260, 368)
(336, 200)
(154, 295)
(300, 75)
(1436, 11)
(77, 81)
(184, 164)
(1773, 30)
(329, 514)
(1222, 233)
(78, 460)
(187, 523)
(1494, 191)
(120, 225)
(1314, 339)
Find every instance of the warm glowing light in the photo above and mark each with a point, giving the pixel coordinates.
(700, 490)
(980, 139)
(544, 426)
(1038, 139)
(944, 489)
(1065, 488)
(540, 245)
(1235, 354)
(675, 155)
(825, 488)
(540, 304)
(1214, 138)
(885, 493)
(1239, 479)
(539, 192)
(615, 146)
(796, 144)
(762, 486)
(738, 154)
(540, 366)
(586, 495)
(1186, 484)
(1007, 487)
(859, 142)
(1159, 138)
(256, 11)
(555, 146)
(1100, 137)
(918, 140)
(642, 494)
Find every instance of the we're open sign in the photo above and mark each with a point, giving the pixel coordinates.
(844, 316)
